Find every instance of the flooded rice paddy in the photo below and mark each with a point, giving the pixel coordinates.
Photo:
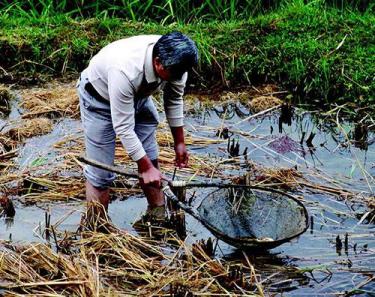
(316, 156)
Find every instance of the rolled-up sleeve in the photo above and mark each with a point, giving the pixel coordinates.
(173, 102)
(121, 94)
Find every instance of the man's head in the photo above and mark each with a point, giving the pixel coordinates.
(173, 55)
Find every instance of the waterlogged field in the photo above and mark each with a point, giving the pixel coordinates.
(322, 158)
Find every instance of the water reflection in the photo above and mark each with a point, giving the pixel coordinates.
(278, 272)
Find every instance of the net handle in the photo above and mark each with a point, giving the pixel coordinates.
(166, 184)
(174, 183)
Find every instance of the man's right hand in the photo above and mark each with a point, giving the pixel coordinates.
(148, 174)
(151, 177)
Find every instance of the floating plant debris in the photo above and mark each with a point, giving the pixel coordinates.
(261, 103)
(284, 144)
(29, 128)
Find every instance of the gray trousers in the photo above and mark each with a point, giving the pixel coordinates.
(100, 136)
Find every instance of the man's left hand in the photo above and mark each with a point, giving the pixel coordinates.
(182, 156)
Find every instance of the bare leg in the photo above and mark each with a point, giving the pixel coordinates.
(155, 196)
(97, 195)
(96, 218)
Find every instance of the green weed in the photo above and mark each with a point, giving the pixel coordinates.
(311, 49)
(167, 11)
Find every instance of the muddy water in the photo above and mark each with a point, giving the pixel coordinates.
(311, 265)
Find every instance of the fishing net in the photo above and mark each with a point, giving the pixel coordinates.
(244, 214)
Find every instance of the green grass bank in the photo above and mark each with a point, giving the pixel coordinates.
(318, 53)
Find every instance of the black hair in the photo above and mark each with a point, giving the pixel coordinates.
(177, 52)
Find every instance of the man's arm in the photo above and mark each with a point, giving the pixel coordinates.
(121, 93)
(173, 105)
(182, 156)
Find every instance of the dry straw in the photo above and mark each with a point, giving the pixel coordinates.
(30, 127)
(6, 145)
(113, 263)
(61, 100)
(261, 103)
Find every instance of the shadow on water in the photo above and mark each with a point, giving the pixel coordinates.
(336, 254)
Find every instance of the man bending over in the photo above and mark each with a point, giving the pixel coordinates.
(115, 99)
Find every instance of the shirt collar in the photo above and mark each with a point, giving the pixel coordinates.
(149, 68)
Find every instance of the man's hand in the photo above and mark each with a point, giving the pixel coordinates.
(148, 174)
(182, 156)
(151, 176)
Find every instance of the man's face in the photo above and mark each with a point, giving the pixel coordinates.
(165, 73)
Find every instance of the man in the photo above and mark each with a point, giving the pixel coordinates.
(115, 99)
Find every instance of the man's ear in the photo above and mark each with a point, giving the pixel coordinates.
(158, 63)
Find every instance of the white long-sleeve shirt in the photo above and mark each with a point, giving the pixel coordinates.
(122, 72)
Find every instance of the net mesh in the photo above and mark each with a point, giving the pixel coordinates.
(253, 213)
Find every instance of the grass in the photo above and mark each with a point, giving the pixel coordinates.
(165, 11)
(313, 50)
